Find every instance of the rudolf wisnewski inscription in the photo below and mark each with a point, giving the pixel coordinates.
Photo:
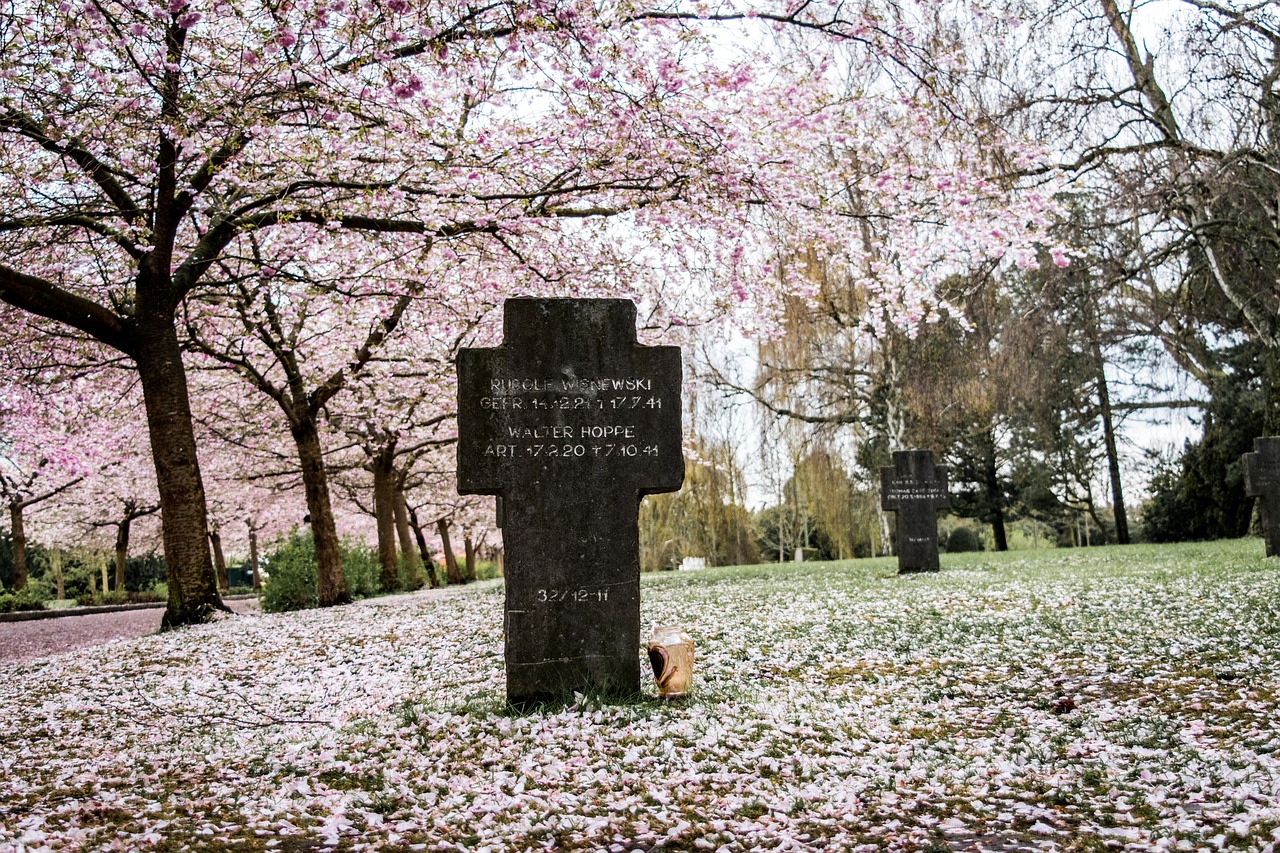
(915, 489)
(570, 422)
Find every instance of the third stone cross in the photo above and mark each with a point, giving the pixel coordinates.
(1262, 480)
(915, 489)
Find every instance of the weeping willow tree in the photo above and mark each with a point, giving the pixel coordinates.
(706, 518)
(834, 366)
(828, 383)
(824, 511)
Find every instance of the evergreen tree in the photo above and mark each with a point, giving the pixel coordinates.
(1200, 495)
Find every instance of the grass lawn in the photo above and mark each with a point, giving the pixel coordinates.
(1103, 698)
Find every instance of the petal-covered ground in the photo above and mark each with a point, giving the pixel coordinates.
(1059, 700)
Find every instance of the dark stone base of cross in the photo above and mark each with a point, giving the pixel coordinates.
(909, 565)
(572, 599)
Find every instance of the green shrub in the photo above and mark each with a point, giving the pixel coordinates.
(410, 581)
(291, 575)
(149, 596)
(98, 599)
(360, 568)
(963, 539)
(144, 572)
(290, 582)
(486, 570)
(79, 578)
(30, 597)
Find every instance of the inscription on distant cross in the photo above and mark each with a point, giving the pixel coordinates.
(1262, 480)
(570, 422)
(915, 489)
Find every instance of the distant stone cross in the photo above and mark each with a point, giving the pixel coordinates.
(1262, 480)
(570, 422)
(915, 489)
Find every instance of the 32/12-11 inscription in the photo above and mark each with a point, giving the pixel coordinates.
(571, 596)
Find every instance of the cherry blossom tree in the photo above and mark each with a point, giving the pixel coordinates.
(17, 489)
(401, 414)
(248, 460)
(308, 332)
(117, 496)
(146, 144)
(264, 338)
(390, 458)
(51, 442)
(143, 140)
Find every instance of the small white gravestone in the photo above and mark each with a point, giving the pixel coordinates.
(693, 563)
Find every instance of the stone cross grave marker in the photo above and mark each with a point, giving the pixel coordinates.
(1262, 480)
(570, 422)
(915, 489)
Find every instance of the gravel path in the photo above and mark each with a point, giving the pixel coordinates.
(40, 638)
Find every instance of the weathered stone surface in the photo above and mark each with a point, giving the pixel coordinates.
(1262, 480)
(570, 422)
(915, 489)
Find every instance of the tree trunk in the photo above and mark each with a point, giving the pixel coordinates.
(1113, 464)
(19, 535)
(193, 588)
(1109, 439)
(469, 549)
(330, 585)
(384, 498)
(995, 499)
(1271, 391)
(450, 562)
(55, 566)
(498, 563)
(122, 546)
(432, 578)
(1092, 509)
(219, 560)
(412, 567)
(253, 556)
